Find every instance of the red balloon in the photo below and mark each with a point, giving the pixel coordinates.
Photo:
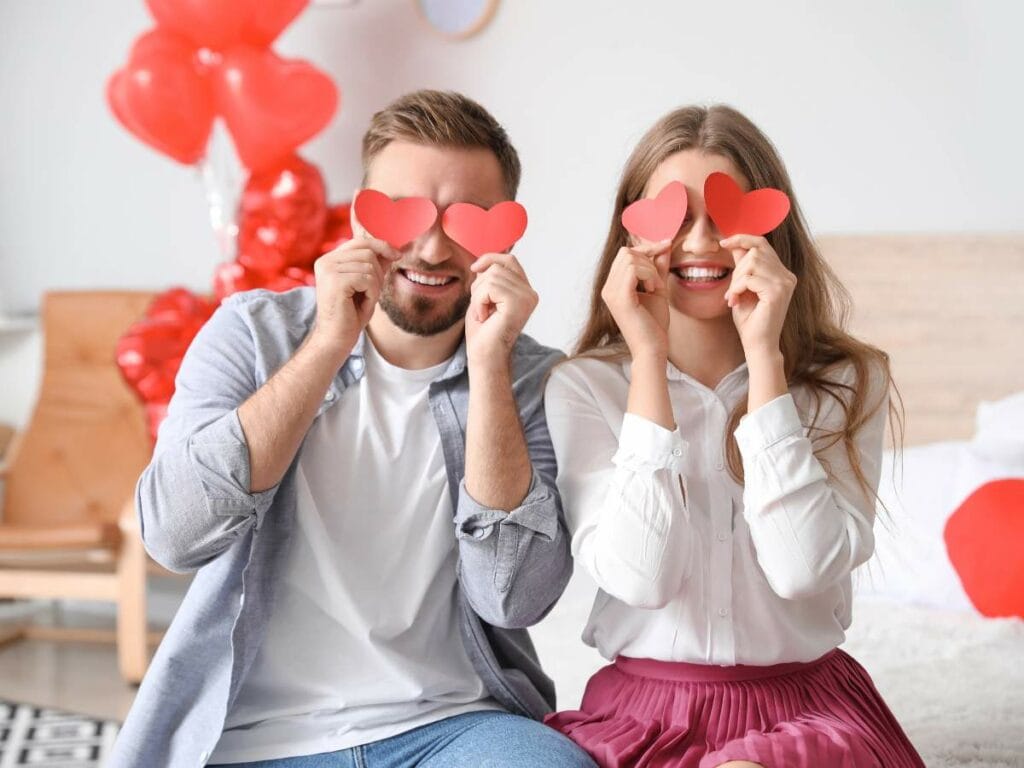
(220, 24)
(163, 97)
(267, 18)
(232, 277)
(207, 23)
(155, 414)
(281, 217)
(271, 105)
(150, 352)
(339, 227)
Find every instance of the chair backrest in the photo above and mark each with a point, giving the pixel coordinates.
(87, 441)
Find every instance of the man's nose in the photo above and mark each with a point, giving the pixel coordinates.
(702, 237)
(435, 247)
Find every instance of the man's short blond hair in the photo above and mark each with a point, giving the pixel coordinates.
(442, 119)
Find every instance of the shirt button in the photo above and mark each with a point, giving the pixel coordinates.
(677, 451)
(723, 612)
(329, 397)
(241, 600)
(722, 537)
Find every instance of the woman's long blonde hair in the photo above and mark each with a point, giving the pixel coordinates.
(814, 341)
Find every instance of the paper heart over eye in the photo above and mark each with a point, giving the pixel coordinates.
(737, 212)
(657, 218)
(482, 231)
(397, 222)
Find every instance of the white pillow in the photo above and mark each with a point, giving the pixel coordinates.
(999, 429)
(910, 564)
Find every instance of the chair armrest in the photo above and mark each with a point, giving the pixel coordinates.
(10, 440)
(128, 521)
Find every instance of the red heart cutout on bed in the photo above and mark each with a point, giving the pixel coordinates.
(271, 105)
(657, 218)
(482, 231)
(737, 212)
(397, 222)
(984, 538)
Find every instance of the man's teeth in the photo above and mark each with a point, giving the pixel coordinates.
(422, 279)
(701, 273)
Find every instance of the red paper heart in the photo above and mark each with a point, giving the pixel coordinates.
(657, 218)
(482, 231)
(734, 212)
(397, 222)
(162, 97)
(984, 537)
(271, 105)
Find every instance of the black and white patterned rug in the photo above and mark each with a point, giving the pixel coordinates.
(49, 738)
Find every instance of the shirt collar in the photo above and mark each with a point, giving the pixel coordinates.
(735, 377)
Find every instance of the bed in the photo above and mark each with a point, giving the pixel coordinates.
(949, 310)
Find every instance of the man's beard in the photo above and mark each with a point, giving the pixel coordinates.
(420, 316)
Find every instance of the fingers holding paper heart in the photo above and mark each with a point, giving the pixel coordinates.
(759, 292)
(502, 300)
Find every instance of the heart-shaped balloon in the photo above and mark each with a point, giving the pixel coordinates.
(281, 217)
(984, 537)
(397, 222)
(736, 212)
(219, 24)
(150, 352)
(657, 218)
(271, 105)
(232, 277)
(207, 23)
(267, 18)
(162, 96)
(338, 228)
(480, 230)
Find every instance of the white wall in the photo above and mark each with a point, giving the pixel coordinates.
(891, 117)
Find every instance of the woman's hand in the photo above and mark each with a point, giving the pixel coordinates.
(642, 317)
(759, 294)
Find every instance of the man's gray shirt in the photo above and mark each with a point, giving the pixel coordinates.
(197, 512)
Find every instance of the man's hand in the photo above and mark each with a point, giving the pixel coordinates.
(349, 280)
(502, 301)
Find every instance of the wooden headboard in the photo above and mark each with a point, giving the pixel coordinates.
(949, 310)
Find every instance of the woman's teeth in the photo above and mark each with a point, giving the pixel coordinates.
(422, 279)
(700, 274)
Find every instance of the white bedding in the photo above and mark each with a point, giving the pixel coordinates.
(955, 680)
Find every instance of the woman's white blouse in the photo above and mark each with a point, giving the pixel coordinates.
(691, 565)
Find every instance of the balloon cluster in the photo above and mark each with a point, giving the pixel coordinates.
(210, 59)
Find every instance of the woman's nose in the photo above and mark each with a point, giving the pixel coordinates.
(702, 237)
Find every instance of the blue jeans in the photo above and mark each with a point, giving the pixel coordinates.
(475, 740)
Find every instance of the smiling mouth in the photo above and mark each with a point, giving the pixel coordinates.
(425, 278)
(701, 274)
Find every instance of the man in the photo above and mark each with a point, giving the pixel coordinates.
(362, 474)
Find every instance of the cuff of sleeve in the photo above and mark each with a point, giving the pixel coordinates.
(538, 512)
(772, 422)
(220, 457)
(644, 445)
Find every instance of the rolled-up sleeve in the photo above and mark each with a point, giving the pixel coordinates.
(810, 527)
(194, 498)
(514, 565)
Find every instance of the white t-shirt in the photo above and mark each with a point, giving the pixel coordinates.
(363, 642)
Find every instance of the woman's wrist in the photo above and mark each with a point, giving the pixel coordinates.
(766, 372)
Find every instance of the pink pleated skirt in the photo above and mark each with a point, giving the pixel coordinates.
(825, 713)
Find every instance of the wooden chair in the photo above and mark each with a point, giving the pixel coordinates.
(68, 528)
